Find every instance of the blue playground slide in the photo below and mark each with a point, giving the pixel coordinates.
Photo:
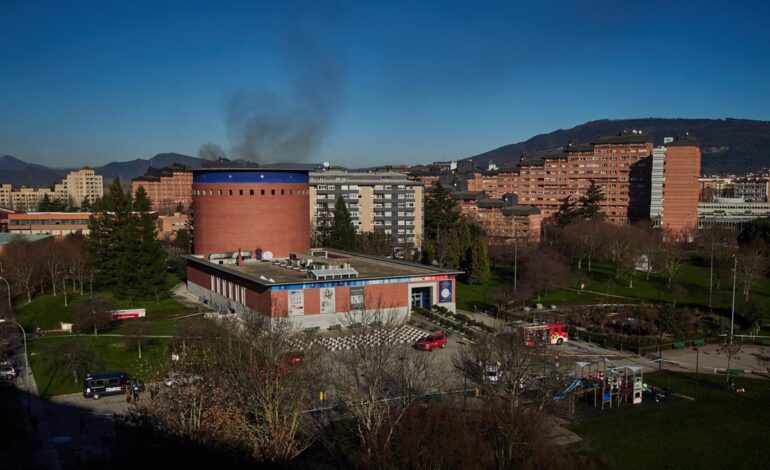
(567, 390)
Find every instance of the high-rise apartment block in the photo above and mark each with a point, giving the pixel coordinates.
(619, 164)
(77, 187)
(166, 187)
(674, 185)
(387, 202)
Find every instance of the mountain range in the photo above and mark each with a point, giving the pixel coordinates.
(21, 173)
(727, 145)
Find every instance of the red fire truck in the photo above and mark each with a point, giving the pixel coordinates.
(549, 333)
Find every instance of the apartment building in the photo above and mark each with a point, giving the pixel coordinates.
(731, 212)
(76, 187)
(49, 223)
(674, 186)
(384, 201)
(166, 187)
(752, 188)
(504, 220)
(618, 164)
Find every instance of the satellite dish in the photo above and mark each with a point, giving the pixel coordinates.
(327, 165)
(267, 255)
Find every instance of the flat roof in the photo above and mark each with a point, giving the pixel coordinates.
(368, 267)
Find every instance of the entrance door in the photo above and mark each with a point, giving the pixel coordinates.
(421, 297)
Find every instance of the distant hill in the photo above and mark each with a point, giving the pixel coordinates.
(728, 145)
(21, 173)
(134, 168)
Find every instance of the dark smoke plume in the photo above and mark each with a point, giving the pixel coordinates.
(211, 151)
(268, 127)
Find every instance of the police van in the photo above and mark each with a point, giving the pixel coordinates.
(105, 383)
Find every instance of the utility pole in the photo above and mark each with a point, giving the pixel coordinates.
(730, 350)
(515, 257)
(711, 275)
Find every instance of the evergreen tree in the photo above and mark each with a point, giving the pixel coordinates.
(478, 271)
(589, 203)
(567, 212)
(342, 234)
(129, 258)
(440, 212)
(51, 205)
(453, 257)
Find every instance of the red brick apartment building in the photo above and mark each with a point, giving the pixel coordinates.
(503, 220)
(166, 187)
(619, 164)
(675, 189)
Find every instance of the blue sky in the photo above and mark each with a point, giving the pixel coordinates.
(361, 83)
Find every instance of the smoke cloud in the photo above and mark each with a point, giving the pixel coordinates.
(265, 126)
(211, 151)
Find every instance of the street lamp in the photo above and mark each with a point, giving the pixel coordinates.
(8, 286)
(697, 368)
(730, 350)
(26, 356)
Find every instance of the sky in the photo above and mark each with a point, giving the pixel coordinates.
(361, 83)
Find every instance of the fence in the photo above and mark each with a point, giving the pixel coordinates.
(625, 344)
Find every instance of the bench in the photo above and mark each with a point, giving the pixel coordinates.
(699, 342)
(679, 345)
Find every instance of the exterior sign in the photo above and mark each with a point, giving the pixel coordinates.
(296, 303)
(328, 300)
(356, 298)
(130, 313)
(445, 291)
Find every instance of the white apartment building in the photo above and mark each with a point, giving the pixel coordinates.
(379, 201)
(74, 189)
(731, 212)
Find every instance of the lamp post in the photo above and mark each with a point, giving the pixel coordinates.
(697, 369)
(730, 351)
(26, 356)
(8, 286)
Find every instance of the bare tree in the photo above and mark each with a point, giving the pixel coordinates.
(136, 332)
(752, 263)
(376, 384)
(93, 313)
(544, 269)
(76, 356)
(21, 259)
(672, 255)
(582, 240)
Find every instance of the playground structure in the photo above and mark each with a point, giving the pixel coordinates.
(609, 387)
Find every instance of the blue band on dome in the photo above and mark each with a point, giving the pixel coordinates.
(202, 177)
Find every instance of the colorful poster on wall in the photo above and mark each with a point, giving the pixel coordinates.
(356, 298)
(328, 301)
(445, 291)
(296, 303)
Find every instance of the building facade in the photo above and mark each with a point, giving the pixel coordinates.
(618, 164)
(49, 223)
(166, 187)
(75, 188)
(504, 221)
(386, 202)
(731, 212)
(752, 188)
(262, 213)
(674, 186)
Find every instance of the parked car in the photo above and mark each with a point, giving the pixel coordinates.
(431, 342)
(492, 374)
(7, 371)
(176, 379)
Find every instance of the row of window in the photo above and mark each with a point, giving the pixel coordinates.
(249, 192)
(229, 290)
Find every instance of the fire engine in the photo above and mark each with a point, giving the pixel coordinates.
(550, 333)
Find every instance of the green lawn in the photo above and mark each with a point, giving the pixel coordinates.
(112, 352)
(481, 296)
(719, 430)
(47, 311)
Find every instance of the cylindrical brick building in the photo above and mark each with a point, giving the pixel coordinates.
(260, 211)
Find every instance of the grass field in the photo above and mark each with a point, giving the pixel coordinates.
(719, 430)
(112, 352)
(690, 287)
